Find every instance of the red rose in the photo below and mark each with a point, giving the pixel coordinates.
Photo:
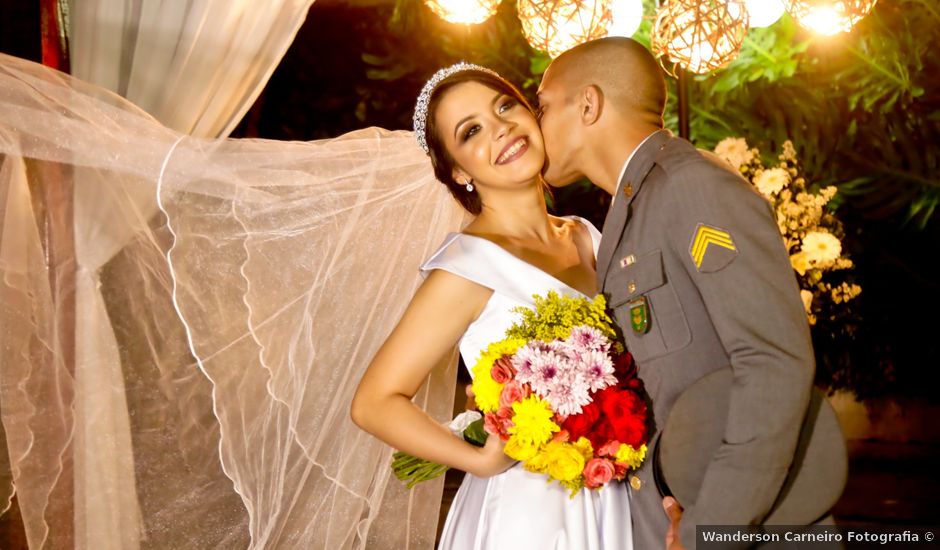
(580, 425)
(601, 433)
(624, 367)
(626, 414)
(502, 370)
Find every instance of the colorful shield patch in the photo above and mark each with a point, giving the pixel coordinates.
(639, 315)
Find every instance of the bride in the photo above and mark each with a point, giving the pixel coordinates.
(485, 145)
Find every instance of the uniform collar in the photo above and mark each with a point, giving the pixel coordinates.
(639, 164)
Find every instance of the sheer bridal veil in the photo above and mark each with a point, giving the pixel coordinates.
(226, 296)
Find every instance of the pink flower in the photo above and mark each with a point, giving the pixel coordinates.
(491, 424)
(568, 396)
(499, 423)
(597, 472)
(586, 338)
(598, 370)
(512, 392)
(609, 449)
(503, 370)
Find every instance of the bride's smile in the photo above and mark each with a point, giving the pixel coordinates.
(494, 140)
(513, 151)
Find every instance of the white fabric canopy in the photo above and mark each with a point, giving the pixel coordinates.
(196, 66)
(217, 347)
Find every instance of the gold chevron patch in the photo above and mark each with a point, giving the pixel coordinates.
(705, 236)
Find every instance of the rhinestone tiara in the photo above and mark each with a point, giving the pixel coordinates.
(421, 107)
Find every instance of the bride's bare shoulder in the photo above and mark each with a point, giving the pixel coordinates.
(571, 227)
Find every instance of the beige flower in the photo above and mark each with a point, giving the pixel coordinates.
(770, 182)
(821, 248)
(800, 262)
(734, 151)
(807, 297)
(789, 152)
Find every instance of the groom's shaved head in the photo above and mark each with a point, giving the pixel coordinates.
(622, 68)
(596, 102)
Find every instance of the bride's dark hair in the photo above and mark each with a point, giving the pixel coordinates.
(441, 160)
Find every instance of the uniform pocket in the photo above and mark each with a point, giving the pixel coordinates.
(645, 279)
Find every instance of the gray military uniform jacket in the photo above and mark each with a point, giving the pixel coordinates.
(692, 251)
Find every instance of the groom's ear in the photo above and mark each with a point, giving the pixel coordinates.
(591, 104)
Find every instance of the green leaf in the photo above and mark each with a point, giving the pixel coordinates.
(475, 433)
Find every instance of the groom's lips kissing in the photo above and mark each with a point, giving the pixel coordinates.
(513, 151)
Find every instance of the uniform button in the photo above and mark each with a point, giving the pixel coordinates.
(635, 483)
(628, 261)
(628, 190)
(631, 288)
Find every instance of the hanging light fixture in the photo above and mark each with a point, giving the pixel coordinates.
(764, 13)
(829, 17)
(626, 16)
(554, 26)
(699, 35)
(467, 12)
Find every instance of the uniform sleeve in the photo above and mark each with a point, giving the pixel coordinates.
(730, 245)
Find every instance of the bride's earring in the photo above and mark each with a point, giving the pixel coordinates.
(470, 186)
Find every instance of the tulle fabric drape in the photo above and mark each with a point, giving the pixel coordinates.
(243, 316)
(195, 66)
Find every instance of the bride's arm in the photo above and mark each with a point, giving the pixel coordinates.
(440, 312)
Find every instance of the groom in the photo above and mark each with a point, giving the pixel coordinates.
(696, 273)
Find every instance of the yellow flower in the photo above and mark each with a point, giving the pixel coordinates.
(583, 445)
(555, 315)
(630, 456)
(564, 461)
(800, 262)
(486, 390)
(821, 247)
(770, 182)
(518, 449)
(532, 421)
(807, 297)
(538, 463)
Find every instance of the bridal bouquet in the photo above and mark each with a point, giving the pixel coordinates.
(562, 393)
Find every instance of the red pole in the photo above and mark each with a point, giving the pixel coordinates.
(53, 20)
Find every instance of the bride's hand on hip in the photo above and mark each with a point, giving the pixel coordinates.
(492, 458)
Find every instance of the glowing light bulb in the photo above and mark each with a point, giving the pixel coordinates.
(554, 26)
(829, 17)
(764, 13)
(699, 36)
(626, 17)
(467, 12)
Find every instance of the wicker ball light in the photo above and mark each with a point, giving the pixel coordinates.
(466, 12)
(554, 26)
(699, 35)
(829, 17)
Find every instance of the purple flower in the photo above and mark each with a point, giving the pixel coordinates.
(597, 369)
(586, 338)
(569, 397)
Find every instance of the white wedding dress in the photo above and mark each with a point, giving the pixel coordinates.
(520, 510)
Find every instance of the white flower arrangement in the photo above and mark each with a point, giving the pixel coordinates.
(811, 233)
